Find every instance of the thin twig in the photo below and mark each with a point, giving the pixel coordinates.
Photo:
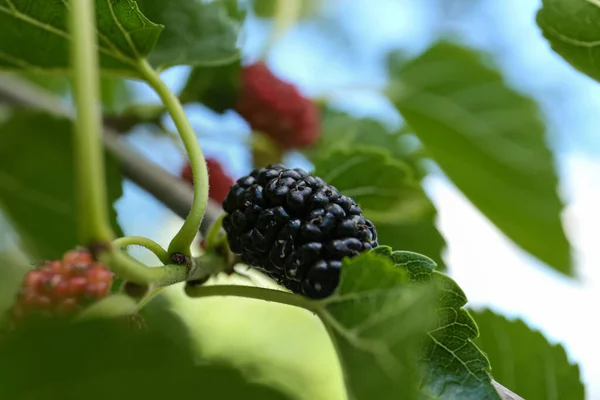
(172, 192)
(168, 189)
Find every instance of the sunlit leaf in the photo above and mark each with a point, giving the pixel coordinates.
(453, 366)
(573, 30)
(195, 33)
(104, 359)
(400, 329)
(376, 321)
(384, 187)
(490, 141)
(124, 35)
(525, 361)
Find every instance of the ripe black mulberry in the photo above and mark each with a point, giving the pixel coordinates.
(295, 228)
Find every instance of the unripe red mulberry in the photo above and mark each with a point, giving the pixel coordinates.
(63, 287)
(218, 180)
(277, 108)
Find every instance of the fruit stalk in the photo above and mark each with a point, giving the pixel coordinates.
(250, 292)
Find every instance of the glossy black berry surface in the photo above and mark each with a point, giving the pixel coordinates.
(295, 228)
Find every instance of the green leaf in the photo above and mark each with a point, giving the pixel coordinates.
(525, 362)
(280, 345)
(368, 175)
(573, 30)
(490, 141)
(215, 87)
(125, 35)
(454, 367)
(383, 187)
(376, 321)
(196, 32)
(37, 190)
(106, 359)
(340, 130)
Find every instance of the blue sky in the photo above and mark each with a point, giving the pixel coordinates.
(491, 270)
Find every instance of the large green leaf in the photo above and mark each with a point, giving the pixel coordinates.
(384, 188)
(196, 32)
(453, 366)
(340, 130)
(284, 346)
(107, 359)
(34, 35)
(573, 29)
(400, 330)
(491, 143)
(376, 320)
(525, 362)
(368, 175)
(37, 189)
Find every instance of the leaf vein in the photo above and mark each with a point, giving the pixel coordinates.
(122, 29)
(14, 12)
(380, 352)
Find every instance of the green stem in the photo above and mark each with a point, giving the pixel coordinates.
(250, 292)
(212, 237)
(183, 239)
(129, 269)
(90, 181)
(207, 265)
(148, 244)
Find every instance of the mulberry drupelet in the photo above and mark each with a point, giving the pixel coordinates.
(295, 228)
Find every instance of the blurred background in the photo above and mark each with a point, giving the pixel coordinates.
(330, 53)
